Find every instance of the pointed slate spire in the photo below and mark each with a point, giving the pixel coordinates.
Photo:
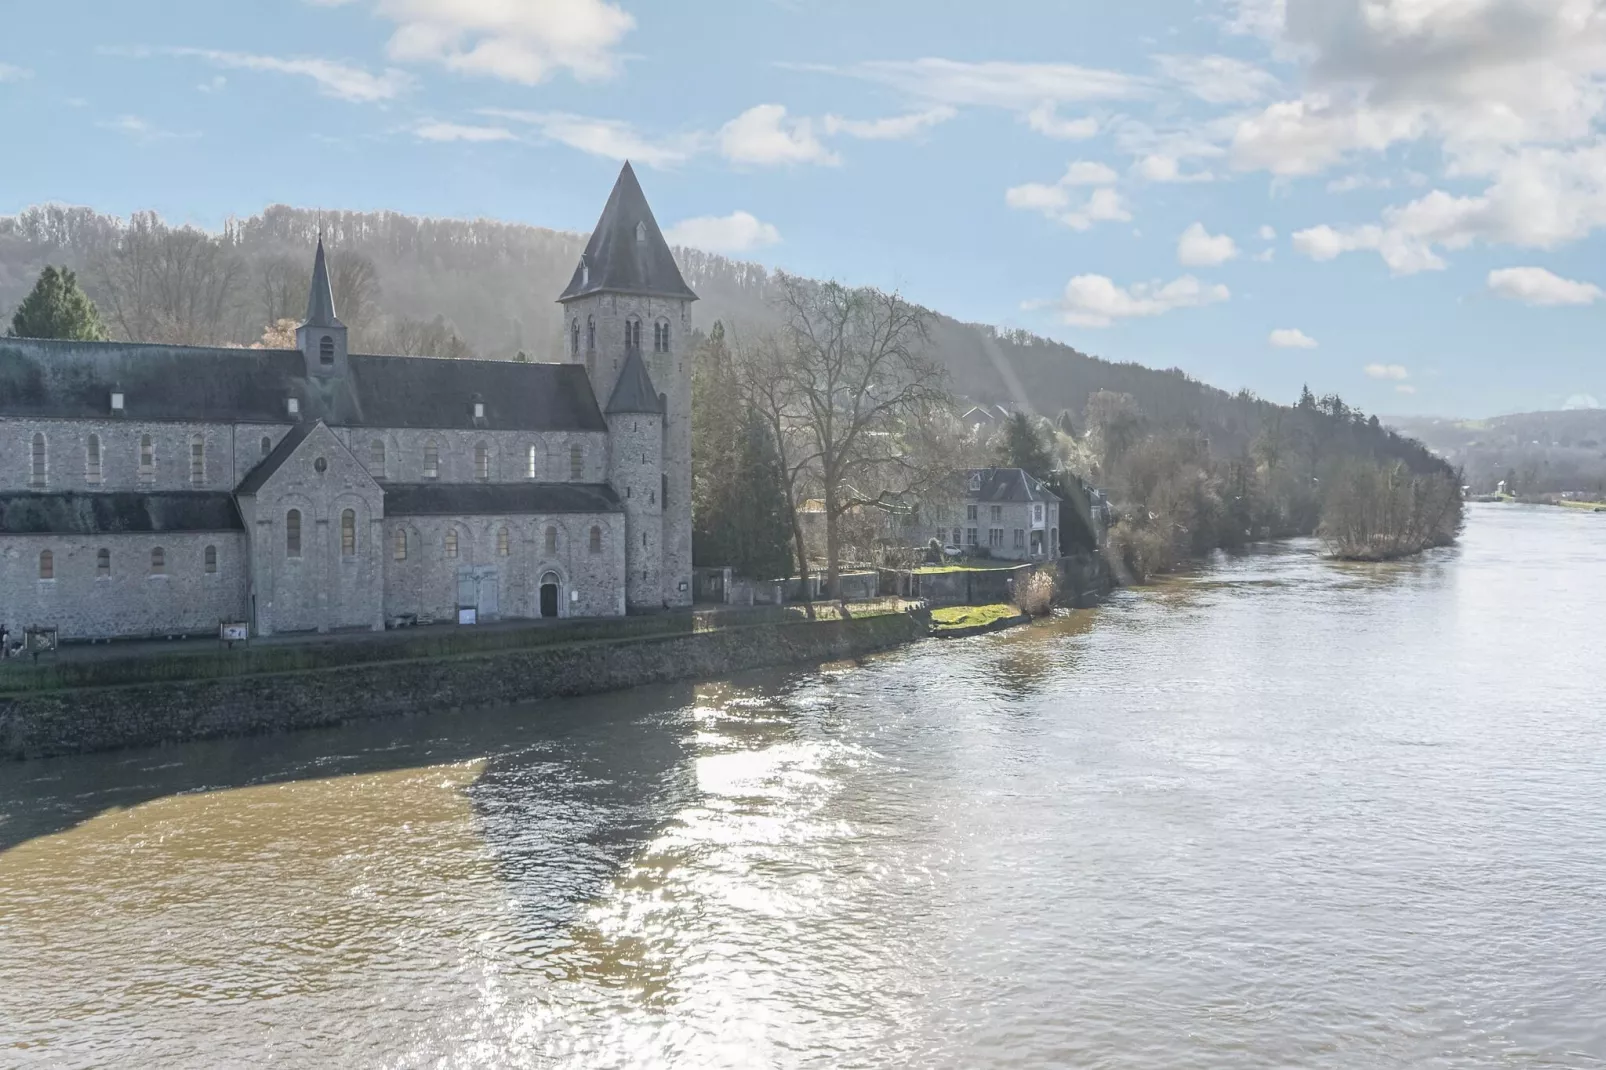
(627, 252)
(321, 298)
(634, 391)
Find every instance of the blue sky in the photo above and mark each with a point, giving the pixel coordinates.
(1400, 200)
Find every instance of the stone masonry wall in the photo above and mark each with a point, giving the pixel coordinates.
(67, 722)
(130, 600)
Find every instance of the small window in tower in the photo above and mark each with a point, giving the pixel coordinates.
(158, 561)
(451, 542)
(503, 542)
(47, 565)
(596, 540)
(574, 338)
(37, 477)
(591, 332)
(103, 563)
(641, 232)
(348, 533)
(92, 460)
(326, 351)
(400, 551)
(577, 462)
(292, 533)
(482, 462)
(197, 459)
(551, 540)
(210, 560)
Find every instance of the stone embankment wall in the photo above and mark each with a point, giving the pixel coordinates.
(43, 724)
(1082, 578)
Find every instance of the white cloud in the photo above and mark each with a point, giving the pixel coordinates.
(896, 128)
(439, 131)
(1536, 286)
(1056, 201)
(522, 41)
(608, 138)
(1199, 248)
(1016, 86)
(1405, 388)
(1581, 401)
(738, 232)
(1157, 167)
(1045, 119)
(141, 130)
(1096, 301)
(1386, 371)
(1218, 79)
(1351, 183)
(12, 73)
(764, 136)
(339, 80)
(1268, 233)
(1291, 338)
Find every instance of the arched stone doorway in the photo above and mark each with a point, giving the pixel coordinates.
(551, 587)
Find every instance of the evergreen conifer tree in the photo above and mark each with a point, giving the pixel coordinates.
(1023, 447)
(57, 308)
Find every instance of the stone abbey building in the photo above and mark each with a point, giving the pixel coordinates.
(152, 490)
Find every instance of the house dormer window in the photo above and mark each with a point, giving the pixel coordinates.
(975, 482)
(293, 406)
(117, 401)
(479, 410)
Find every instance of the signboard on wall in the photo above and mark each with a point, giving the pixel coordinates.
(234, 631)
(468, 615)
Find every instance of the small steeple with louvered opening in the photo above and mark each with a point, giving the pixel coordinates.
(322, 337)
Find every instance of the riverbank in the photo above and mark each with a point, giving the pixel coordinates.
(334, 684)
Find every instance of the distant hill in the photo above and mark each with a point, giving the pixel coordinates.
(1546, 452)
(411, 281)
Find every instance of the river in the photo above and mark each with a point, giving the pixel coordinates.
(1281, 812)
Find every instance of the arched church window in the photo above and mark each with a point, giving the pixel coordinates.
(432, 461)
(577, 462)
(103, 562)
(633, 333)
(209, 560)
(267, 445)
(92, 460)
(529, 462)
(348, 533)
(504, 542)
(197, 459)
(292, 533)
(158, 561)
(574, 338)
(591, 332)
(47, 565)
(400, 550)
(551, 540)
(376, 458)
(147, 458)
(596, 540)
(451, 542)
(482, 462)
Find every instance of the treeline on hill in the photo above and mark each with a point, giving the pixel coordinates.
(1188, 467)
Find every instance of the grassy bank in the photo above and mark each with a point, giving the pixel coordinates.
(965, 618)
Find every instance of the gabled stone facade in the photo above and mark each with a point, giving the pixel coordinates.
(153, 490)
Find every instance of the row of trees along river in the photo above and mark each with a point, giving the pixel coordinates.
(804, 390)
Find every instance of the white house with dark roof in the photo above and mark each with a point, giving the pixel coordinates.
(1005, 511)
(158, 490)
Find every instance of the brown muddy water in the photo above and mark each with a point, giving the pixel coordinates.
(1278, 813)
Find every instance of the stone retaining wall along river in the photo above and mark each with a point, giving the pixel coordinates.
(78, 720)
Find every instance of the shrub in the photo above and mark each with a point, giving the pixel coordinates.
(1035, 593)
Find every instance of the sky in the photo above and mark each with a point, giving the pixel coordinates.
(1401, 201)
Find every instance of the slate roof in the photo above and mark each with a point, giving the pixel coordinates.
(265, 468)
(634, 391)
(1006, 485)
(75, 380)
(617, 261)
(24, 513)
(321, 297)
(493, 499)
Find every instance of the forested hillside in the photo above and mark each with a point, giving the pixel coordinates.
(457, 287)
(1533, 452)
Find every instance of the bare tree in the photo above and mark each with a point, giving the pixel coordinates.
(856, 393)
(281, 288)
(161, 284)
(355, 282)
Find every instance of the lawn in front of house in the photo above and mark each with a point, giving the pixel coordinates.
(952, 617)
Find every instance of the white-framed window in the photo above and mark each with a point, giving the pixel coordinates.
(970, 512)
(970, 537)
(996, 514)
(995, 538)
(1020, 538)
(1037, 512)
